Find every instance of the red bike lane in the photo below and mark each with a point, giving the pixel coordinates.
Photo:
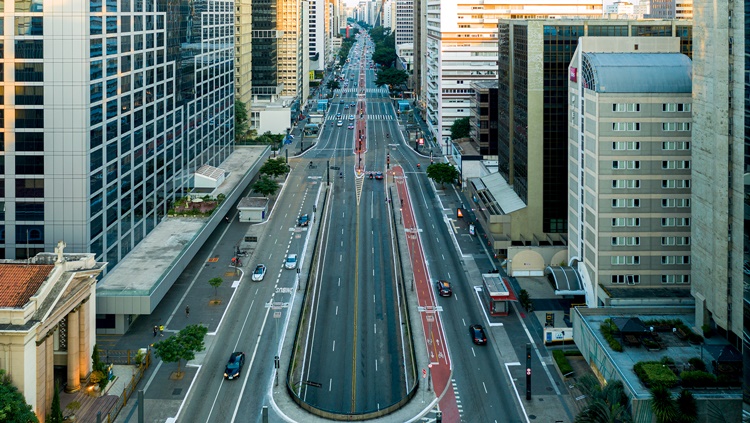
(431, 323)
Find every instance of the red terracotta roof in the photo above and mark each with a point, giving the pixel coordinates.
(18, 282)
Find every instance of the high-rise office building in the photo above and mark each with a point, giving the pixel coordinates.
(106, 117)
(721, 152)
(316, 18)
(629, 169)
(533, 114)
(671, 9)
(404, 22)
(243, 47)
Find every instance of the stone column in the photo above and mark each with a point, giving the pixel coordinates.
(49, 351)
(85, 341)
(74, 379)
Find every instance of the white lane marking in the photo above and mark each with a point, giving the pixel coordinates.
(375, 328)
(330, 384)
(485, 387)
(337, 310)
(536, 350)
(518, 397)
(334, 345)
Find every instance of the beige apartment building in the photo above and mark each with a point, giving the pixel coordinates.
(243, 51)
(629, 170)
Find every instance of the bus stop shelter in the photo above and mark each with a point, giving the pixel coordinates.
(498, 294)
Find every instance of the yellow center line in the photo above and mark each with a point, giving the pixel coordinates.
(356, 296)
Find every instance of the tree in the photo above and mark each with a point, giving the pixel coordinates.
(385, 56)
(606, 405)
(442, 173)
(662, 405)
(274, 167)
(56, 415)
(182, 346)
(216, 283)
(266, 186)
(13, 406)
(333, 85)
(97, 365)
(240, 121)
(460, 128)
(391, 77)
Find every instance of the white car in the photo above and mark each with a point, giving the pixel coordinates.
(291, 261)
(259, 273)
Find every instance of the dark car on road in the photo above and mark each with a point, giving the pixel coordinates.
(477, 334)
(444, 288)
(234, 365)
(303, 220)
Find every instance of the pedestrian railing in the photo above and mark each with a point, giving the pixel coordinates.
(129, 389)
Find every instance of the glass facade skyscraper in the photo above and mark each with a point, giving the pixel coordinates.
(113, 105)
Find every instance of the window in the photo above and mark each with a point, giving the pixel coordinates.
(675, 126)
(626, 202)
(675, 202)
(626, 107)
(675, 164)
(675, 240)
(674, 221)
(30, 188)
(623, 145)
(626, 221)
(675, 183)
(675, 259)
(626, 241)
(30, 165)
(675, 145)
(626, 183)
(625, 260)
(29, 211)
(626, 164)
(675, 279)
(676, 107)
(626, 126)
(629, 279)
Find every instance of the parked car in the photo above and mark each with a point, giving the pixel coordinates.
(444, 288)
(303, 220)
(477, 334)
(234, 365)
(291, 261)
(259, 273)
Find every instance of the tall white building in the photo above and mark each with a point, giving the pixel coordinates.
(461, 47)
(389, 14)
(404, 21)
(106, 116)
(316, 24)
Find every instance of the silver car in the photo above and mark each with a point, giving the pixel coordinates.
(259, 273)
(291, 261)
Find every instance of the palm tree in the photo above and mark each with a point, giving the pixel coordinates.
(606, 405)
(662, 405)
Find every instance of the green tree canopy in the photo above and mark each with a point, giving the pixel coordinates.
(333, 85)
(274, 167)
(460, 128)
(182, 346)
(391, 77)
(216, 283)
(442, 173)
(266, 186)
(605, 405)
(13, 406)
(240, 121)
(384, 56)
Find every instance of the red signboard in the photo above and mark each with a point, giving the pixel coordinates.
(574, 74)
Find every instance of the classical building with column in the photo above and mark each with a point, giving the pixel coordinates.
(47, 321)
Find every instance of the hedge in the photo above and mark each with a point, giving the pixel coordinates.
(697, 379)
(608, 333)
(697, 364)
(653, 373)
(562, 362)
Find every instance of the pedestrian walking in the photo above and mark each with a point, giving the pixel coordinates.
(161, 330)
(187, 311)
(156, 330)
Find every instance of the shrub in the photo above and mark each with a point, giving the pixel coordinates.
(697, 379)
(697, 364)
(651, 344)
(562, 362)
(653, 373)
(608, 330)
(666, 360)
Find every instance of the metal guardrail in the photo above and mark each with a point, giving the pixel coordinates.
(129, 389)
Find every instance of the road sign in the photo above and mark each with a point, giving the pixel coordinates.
(429, 365)
(276, 314)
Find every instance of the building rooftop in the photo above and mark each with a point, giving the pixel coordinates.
(252, 202)
(20, 281)
(637, 72)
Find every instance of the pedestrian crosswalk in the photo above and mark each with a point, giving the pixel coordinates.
(382, 90)
(369, 117)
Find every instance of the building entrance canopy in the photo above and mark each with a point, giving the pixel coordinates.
(566, 279)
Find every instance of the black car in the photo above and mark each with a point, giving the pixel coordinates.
(444, 288)
(234, 365)
(477, 334)
(303, 220)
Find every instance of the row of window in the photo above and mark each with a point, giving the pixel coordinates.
(636, 183)
(665, 202)
(636, 145)
(632, 241)
(665, 107)
(636, 221)
(636, 164)
(633, 260)
(665, 126)
(636, 279)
